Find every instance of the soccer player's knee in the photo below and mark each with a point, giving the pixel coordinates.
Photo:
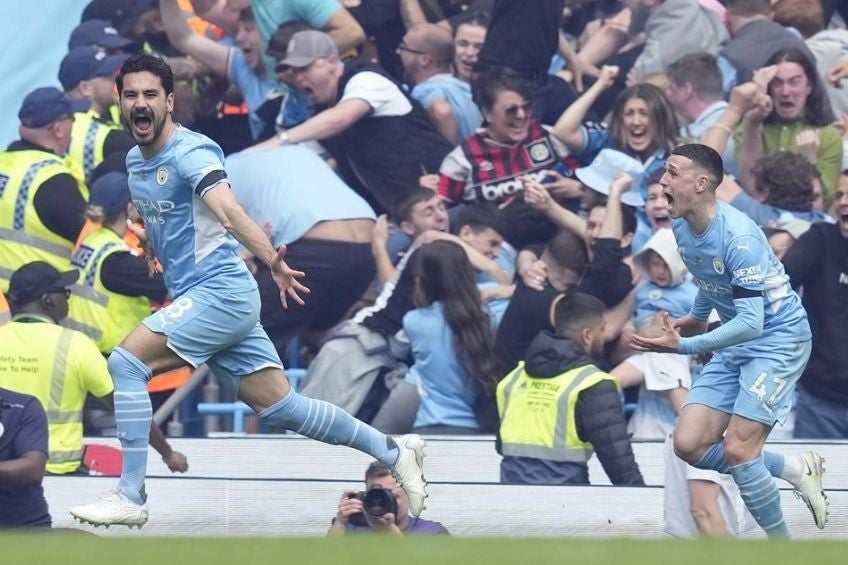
(128, 372)
(687, 447)
(737, 451)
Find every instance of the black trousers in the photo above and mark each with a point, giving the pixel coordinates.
(337, 274)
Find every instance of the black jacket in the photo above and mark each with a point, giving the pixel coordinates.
(607, 278)
(818, 264)
(600, 421)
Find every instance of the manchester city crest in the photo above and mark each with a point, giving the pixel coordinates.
(718, 266)
(162, 175)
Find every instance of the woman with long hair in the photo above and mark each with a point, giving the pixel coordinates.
(799, 121)
(642, 124)
(452, 342)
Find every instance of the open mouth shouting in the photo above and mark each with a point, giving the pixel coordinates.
(787, 109)
(142, 123)
(639, 138)
(670, 200)
(843, 220)
(661, 221)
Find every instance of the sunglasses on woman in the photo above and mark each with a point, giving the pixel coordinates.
(512, 111)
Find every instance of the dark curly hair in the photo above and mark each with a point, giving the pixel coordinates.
(141, 62)
(788, 180)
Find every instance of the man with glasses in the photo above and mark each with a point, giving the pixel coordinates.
(57, 365)
(384, 140)
(42, 195)
(426, 53)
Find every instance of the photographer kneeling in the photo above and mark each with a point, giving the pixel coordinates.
(383, 507)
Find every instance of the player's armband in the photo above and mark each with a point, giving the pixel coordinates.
(210, 180)
(739, 292)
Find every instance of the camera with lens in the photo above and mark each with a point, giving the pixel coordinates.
(376, 501)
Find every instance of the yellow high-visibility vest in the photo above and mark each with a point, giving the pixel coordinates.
(538, 414)
(23, 238)
(58, 366)
(115, 117)
(88, 137)
(105, 316)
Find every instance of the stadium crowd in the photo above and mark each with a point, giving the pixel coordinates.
(473, 192)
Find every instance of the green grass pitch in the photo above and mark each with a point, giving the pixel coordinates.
(79, 549)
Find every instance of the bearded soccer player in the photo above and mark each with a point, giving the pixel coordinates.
(761, 347)
(193, 222)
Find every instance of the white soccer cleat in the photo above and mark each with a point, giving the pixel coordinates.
(810, 488)
(113, 508)
(409, 471)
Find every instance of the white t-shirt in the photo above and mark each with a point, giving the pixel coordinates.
(384, 97)
(654, 417)
(678, 520)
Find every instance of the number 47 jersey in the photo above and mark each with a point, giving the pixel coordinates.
(732, 259)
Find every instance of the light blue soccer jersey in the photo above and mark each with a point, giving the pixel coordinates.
(188, 239)
(734, 252)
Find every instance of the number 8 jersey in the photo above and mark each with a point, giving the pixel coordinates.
(189, 241)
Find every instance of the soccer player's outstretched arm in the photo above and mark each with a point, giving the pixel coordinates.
(223, 204)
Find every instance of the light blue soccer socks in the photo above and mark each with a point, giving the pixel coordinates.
(133, 414)
(787, 467)
(328, 423)
(761, 496)
(774, 462)
(714, 459)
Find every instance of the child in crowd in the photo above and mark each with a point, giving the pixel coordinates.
(664, 377)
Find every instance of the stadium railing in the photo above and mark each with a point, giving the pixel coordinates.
(239, 409)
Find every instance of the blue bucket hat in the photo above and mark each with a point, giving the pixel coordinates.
(605, 167)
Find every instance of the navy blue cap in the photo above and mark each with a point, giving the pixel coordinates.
(84, 63)
(111, 192)
(33, 280)
(45, 105)
(91, 33)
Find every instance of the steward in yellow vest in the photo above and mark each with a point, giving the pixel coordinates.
(92, 141)
(557, 408)
(117, 284)
(87, 74)
(42, 197)
(59, 366)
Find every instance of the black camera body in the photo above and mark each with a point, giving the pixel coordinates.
(376, 501)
